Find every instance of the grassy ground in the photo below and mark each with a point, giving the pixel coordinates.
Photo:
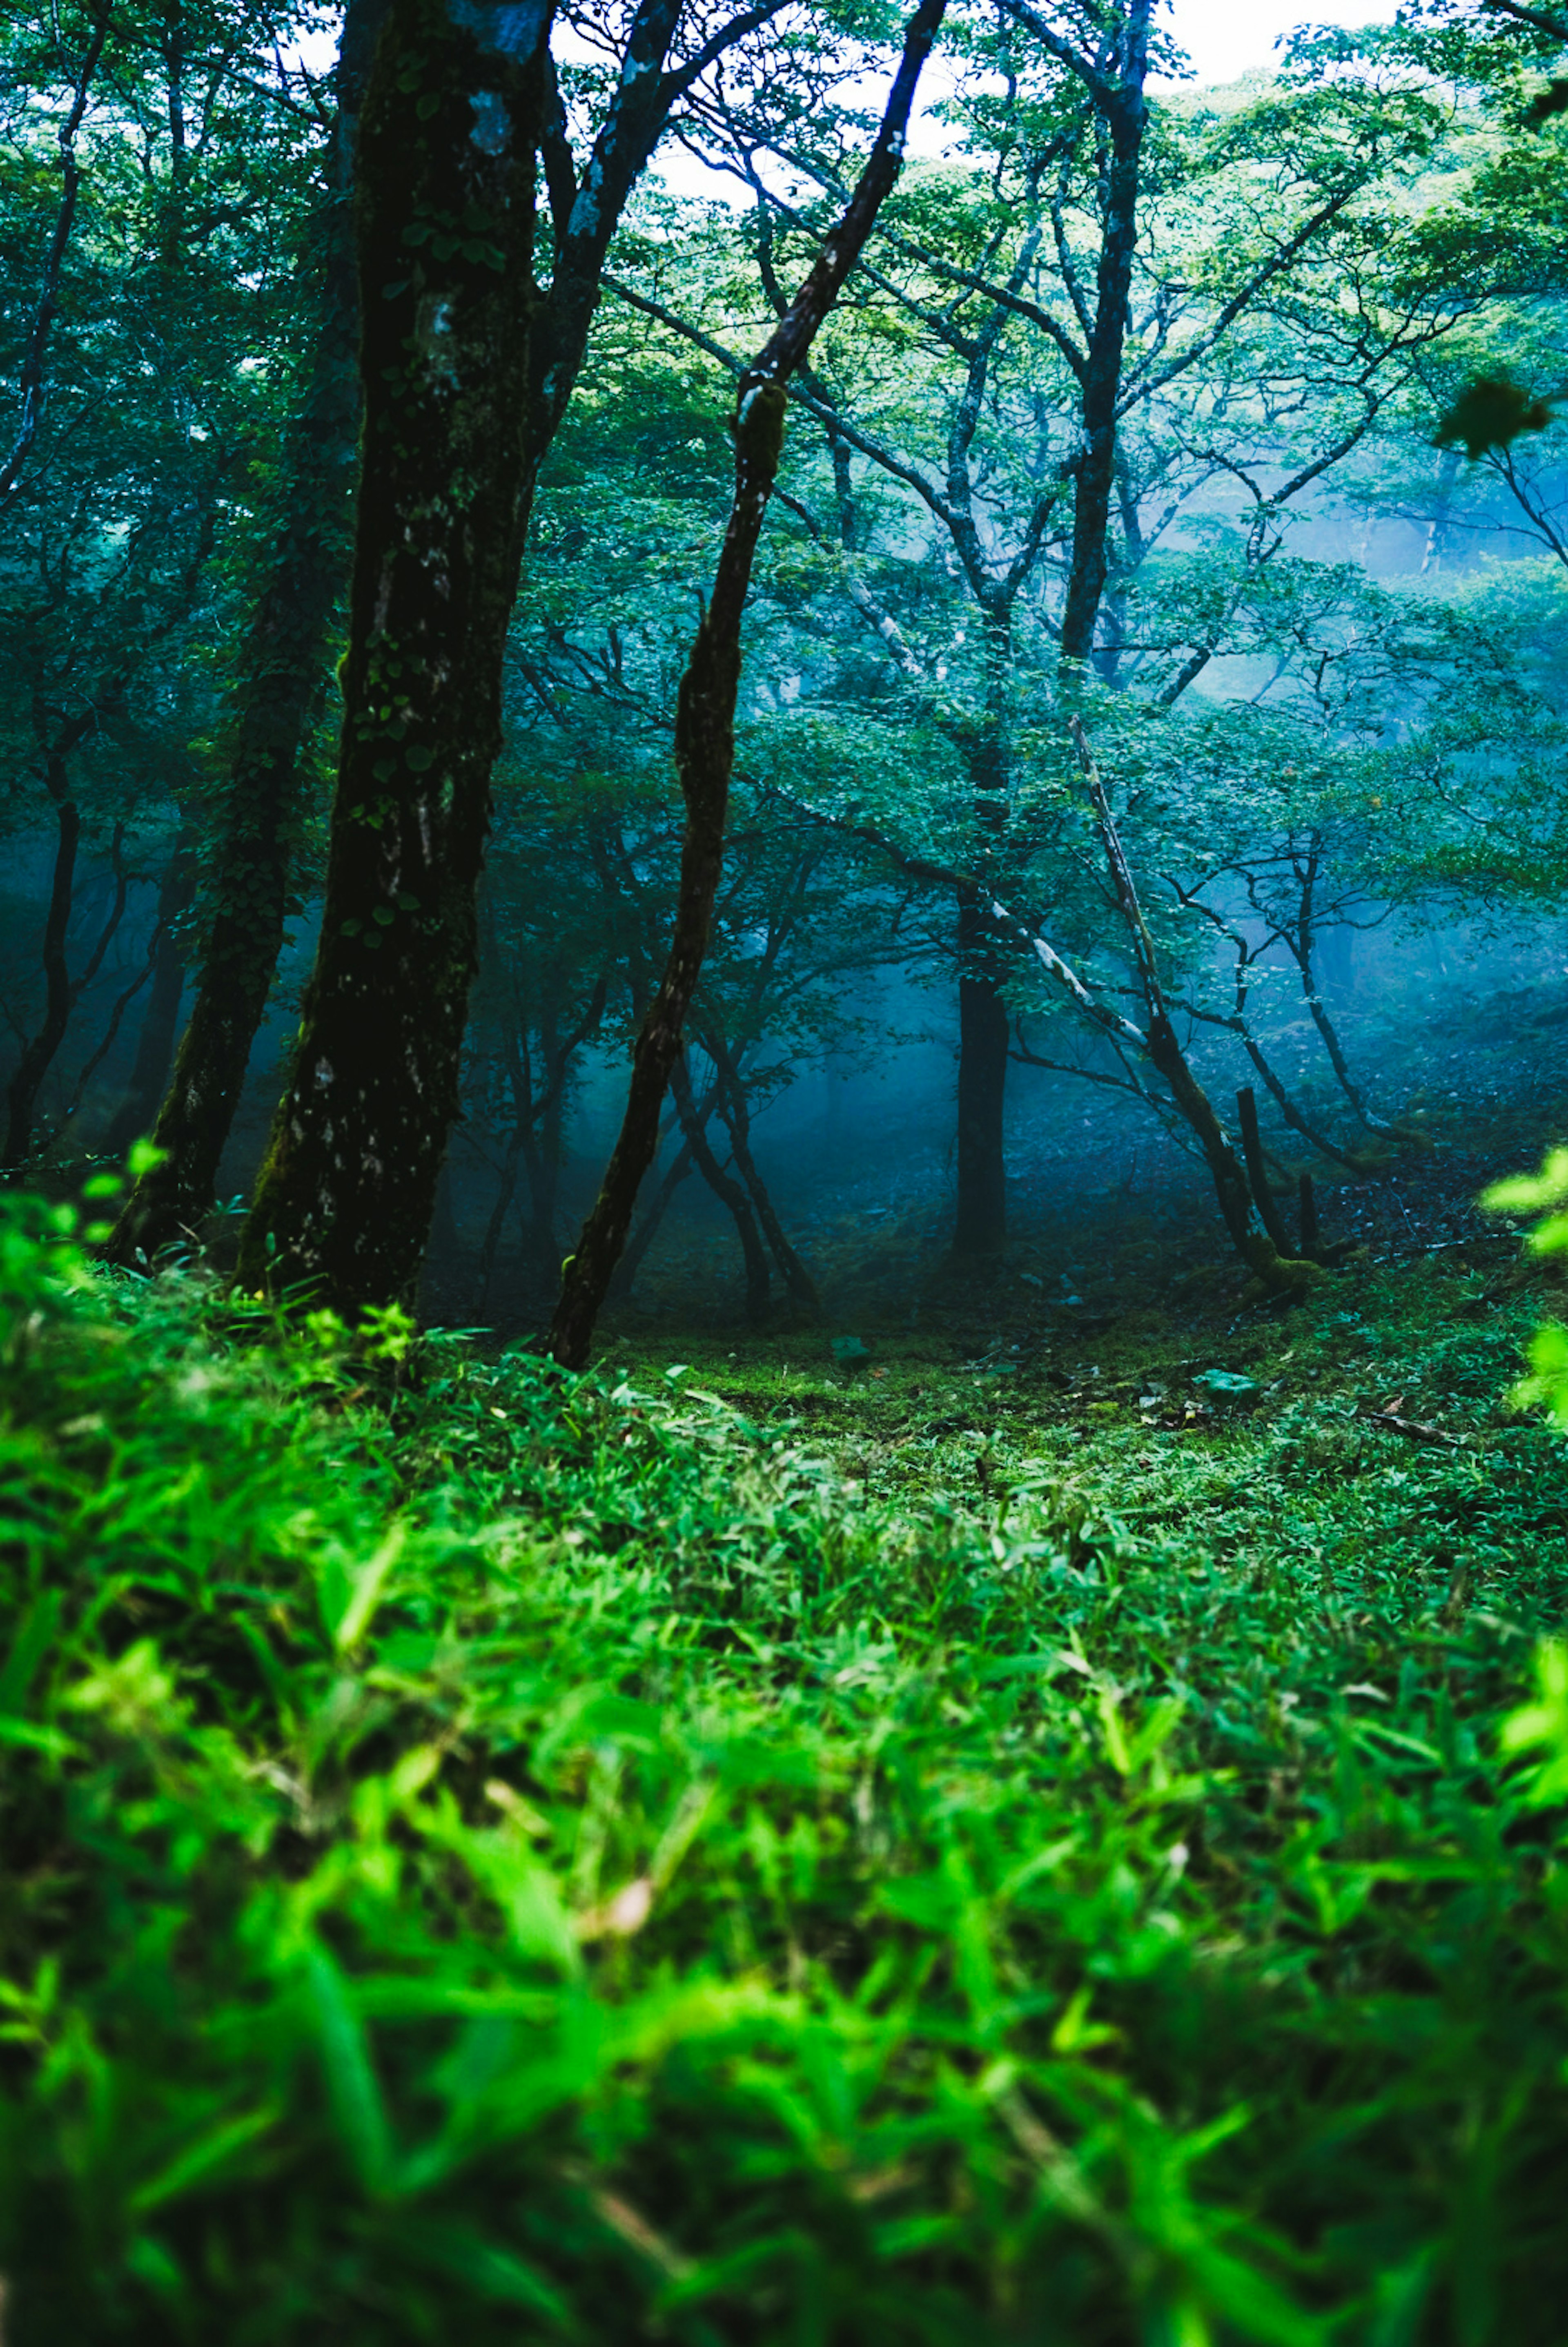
(1013, 1837)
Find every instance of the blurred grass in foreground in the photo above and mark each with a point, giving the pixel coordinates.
(495, 1856)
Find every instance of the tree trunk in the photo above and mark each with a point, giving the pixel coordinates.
(1159, 1040)
(705, 711)
(1094, 477)
(446, 184)
(1257, 1171)
(729, 1194)
(737, 1115)
(648, 1228)
(282, 675)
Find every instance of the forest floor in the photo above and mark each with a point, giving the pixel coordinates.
(1031, 1815)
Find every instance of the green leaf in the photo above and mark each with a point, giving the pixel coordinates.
(351, 2084)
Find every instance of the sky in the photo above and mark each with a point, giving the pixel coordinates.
(1225, 38)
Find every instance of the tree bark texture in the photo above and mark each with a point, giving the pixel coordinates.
(282, 676)
(705, 711)
(446, 196)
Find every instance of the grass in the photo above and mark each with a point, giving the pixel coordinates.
(778, 1853)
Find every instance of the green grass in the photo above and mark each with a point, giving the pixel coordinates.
(944, 1857)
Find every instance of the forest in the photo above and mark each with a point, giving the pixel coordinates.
(784, 1199)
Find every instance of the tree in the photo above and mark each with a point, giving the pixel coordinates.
(1051, 340)
(280, 682)
(145, 410)
(468, 365)
(705, 719)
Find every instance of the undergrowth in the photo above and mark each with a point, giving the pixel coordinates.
(494, 1856)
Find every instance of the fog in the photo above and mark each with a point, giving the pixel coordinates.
(1452, 1013)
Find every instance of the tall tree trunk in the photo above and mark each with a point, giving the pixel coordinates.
(1120, 98)
(282, 671)
(345, 1194)
(705, 714)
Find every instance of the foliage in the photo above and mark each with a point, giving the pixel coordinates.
(494, 1853)
(1546, 1386)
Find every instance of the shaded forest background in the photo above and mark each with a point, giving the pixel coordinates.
(1323, 668)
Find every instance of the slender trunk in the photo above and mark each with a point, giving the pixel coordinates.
(520, 1070)
(1292, 1115)
(648, 1227)
(730, 1193)
(282, 671)
(506, 1190)
(1251, 1239)
(1093, 478)
(62, 992)
(1156, 1041)
(344, 1198)
(1301, 938)
(1237, 1024)
(154, 1042)
(1257, 1171)
(704, 712)
(736, 1115)
(1437, 529)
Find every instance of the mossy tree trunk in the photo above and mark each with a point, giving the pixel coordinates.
(446, 194)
